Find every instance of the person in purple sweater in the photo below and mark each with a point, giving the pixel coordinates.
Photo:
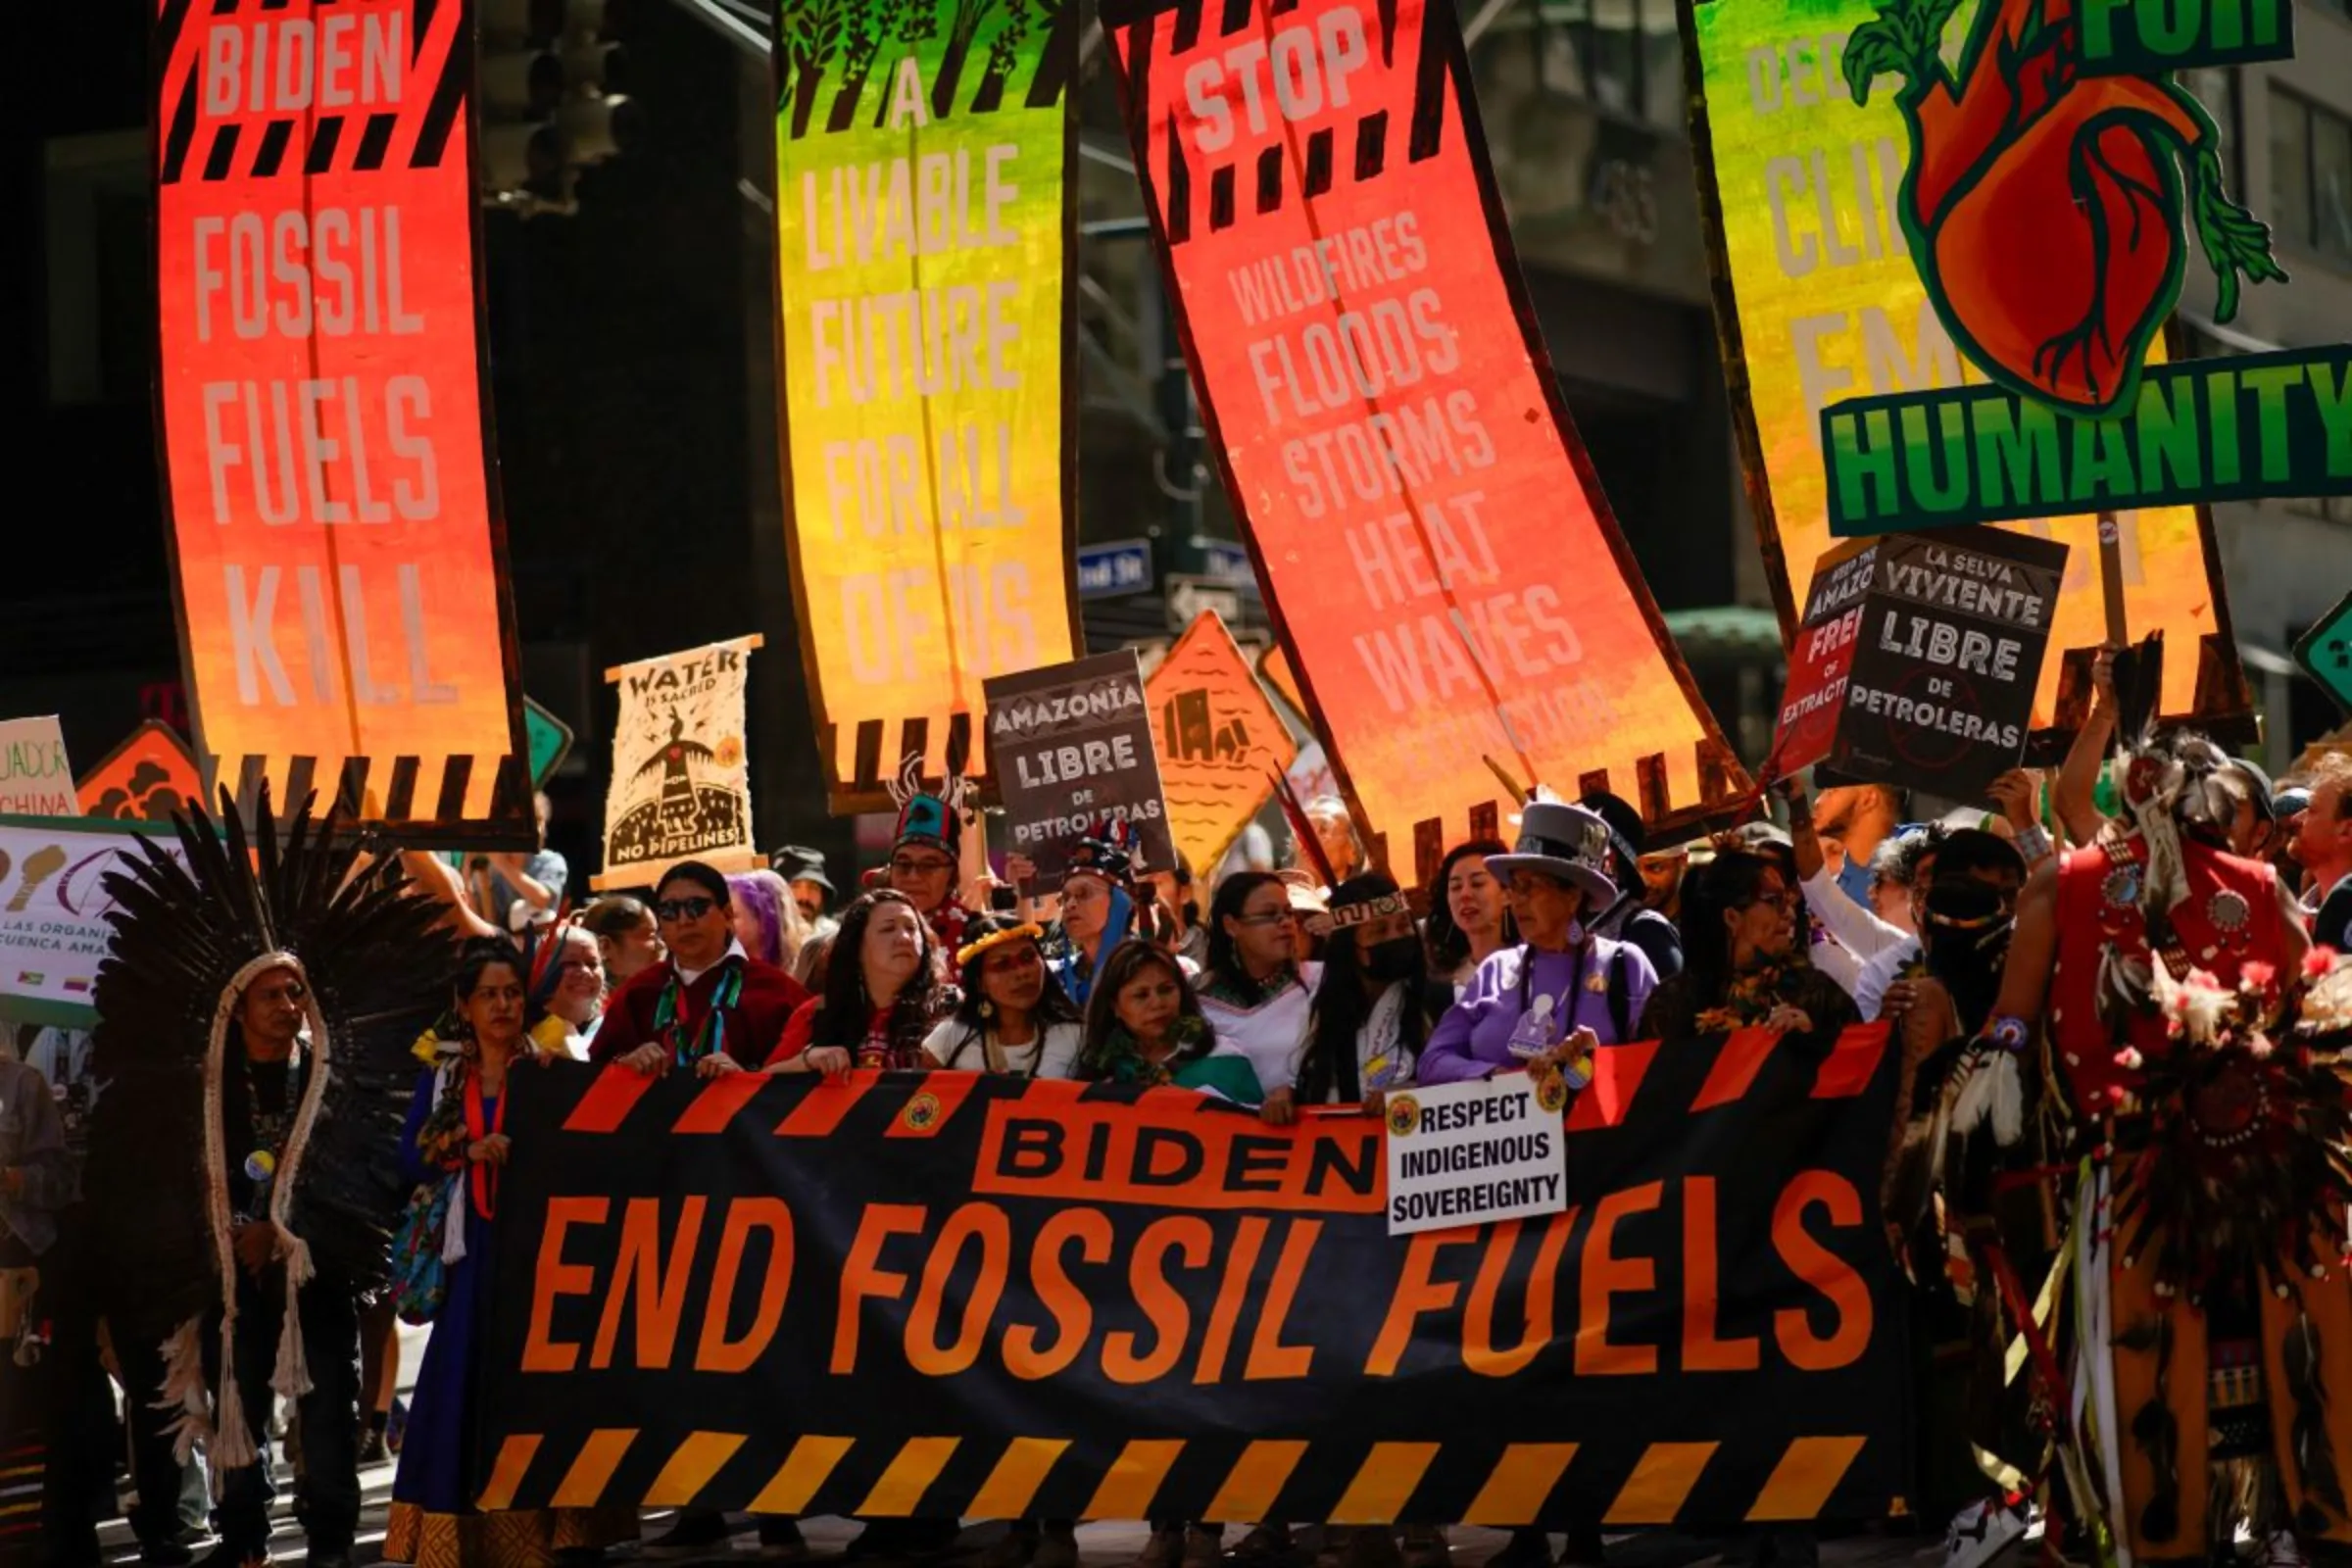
(1590, 989)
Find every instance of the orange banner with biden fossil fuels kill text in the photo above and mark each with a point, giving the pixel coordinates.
(1434, 545)
(336, 539)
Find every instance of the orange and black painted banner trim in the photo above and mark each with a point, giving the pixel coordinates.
(340, 557)
(945, 1294)
(1447, 578)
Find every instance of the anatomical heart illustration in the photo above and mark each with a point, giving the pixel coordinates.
(2045, 207)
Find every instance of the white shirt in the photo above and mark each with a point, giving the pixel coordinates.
(954, 1047)
(1271, 1033)
(1860, 929)
(1882, 971)
(687, 977)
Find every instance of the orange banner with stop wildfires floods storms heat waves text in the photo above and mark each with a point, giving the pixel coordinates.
(1432, 543)
(338, 550)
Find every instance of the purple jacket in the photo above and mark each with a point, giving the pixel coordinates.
(1473, 1039)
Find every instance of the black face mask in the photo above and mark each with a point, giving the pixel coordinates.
(1398, 958)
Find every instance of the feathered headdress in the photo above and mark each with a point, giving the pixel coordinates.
(191, 933)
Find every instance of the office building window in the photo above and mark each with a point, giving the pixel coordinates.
(1622, 56)
(2311, 176)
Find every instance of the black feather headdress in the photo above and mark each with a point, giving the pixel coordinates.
(192, 929)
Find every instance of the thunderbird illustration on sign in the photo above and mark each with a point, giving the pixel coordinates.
(2047, 189)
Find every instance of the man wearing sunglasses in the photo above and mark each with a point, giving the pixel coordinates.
(707, 1007)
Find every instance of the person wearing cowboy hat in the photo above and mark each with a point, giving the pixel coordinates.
(1562, 991)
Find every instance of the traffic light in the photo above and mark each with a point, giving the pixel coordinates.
(552, 101)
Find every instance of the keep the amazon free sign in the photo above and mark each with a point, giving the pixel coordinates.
(337, 545)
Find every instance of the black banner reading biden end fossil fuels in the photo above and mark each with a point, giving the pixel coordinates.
(952, 1294)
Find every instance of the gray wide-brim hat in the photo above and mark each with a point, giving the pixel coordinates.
(1562, 841)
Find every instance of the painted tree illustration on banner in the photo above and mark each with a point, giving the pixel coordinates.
(873, 25)
(812, 33)
(1004, 53)
(1061, 47)
(963, 29)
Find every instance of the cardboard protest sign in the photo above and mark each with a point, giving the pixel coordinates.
(1071, 748)
(345, 621)
(951, 1294)
(146, 778)
(680, 788)
(1435, 551)
(35, 779)
(1472, 1152)
(1220, 740)
(923, 268)
(1822, 302)
(1919, 658)
(53, 928)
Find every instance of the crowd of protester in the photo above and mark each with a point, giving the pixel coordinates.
(1270, 989)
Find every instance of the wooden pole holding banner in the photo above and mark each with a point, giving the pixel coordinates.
(2111, 577)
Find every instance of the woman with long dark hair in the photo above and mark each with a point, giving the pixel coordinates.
(1144, 1026)
(1470, 919)
(1744, 962)
(1371, 1015)
(457, 1126)
(1012, 1016)
(882, 994)
(1255, 993)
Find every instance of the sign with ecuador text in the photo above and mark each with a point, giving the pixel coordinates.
(53, 928)
(922, 258)
(1221, 743)
(1487, 1149)
(1918, 659)
(343, 607)
(681, 786)
(947, 1294)
(1070, 749)
(1434, 547)
(35, 779)
(1802, 186)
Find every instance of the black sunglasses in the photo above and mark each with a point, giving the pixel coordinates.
(685, 909)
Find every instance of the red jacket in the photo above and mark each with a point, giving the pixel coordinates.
(753, 1026)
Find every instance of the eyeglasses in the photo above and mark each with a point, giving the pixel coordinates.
(685, 909)
(934, 866)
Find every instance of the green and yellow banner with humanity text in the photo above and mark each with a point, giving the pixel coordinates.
(922, 148)
(1803, 186)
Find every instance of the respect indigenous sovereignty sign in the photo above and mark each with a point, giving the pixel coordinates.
(53, 930)
(343, 606)
(1487, 1149)
(680, 788)
(962, 1294)
(1071, 748)
(35, 779)
(1435, 549)
(922, 260)
(1918, 659)
(1803, 188)
(1220, 740)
